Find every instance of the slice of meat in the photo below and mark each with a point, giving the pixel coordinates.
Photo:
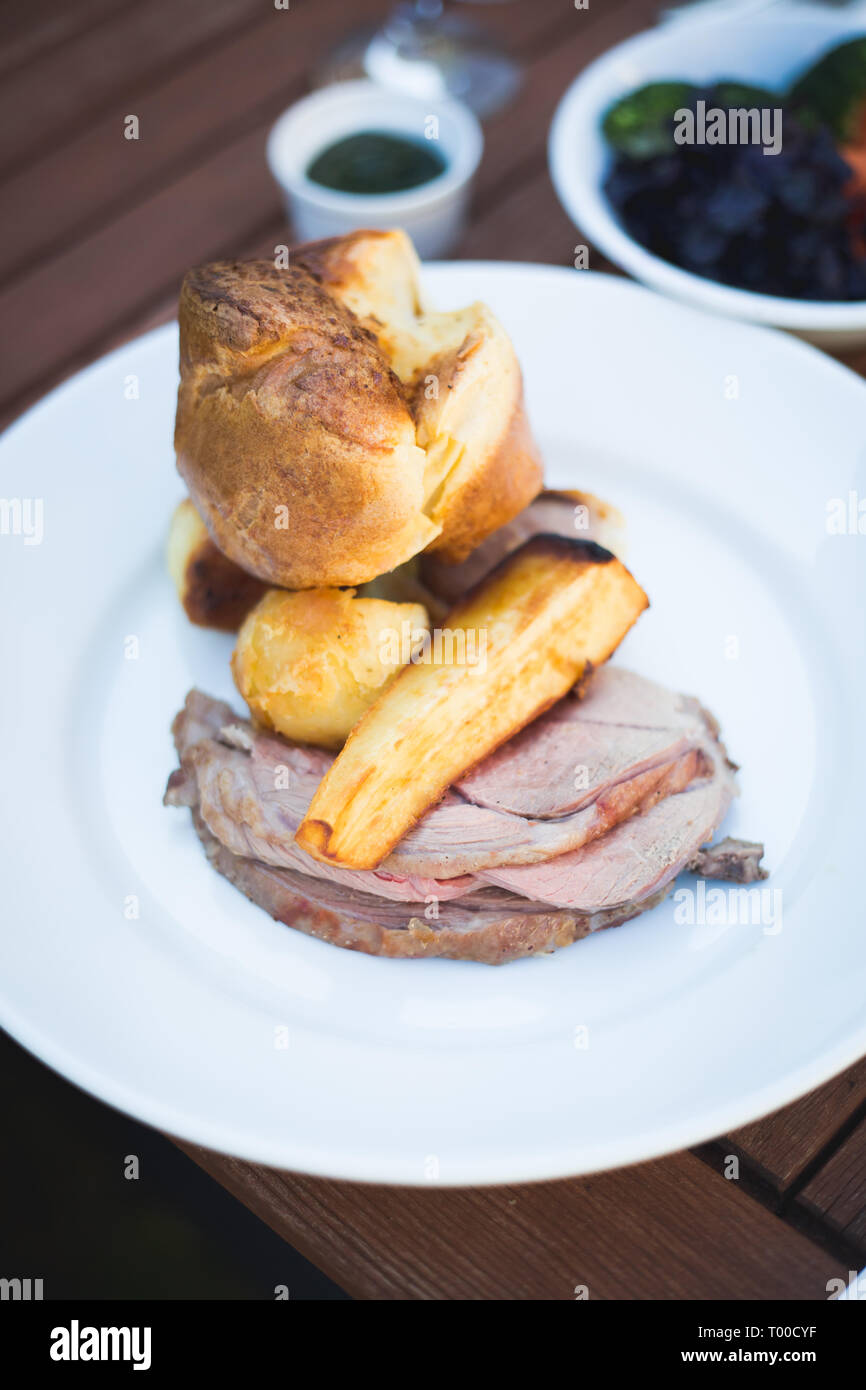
(564, 760)
(491, 928)
(255, 801)
(253, 790)
(634, 860)
(249, 790)
(737, 861)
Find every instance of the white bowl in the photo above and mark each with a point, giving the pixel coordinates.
(767, 51)
(433, 213)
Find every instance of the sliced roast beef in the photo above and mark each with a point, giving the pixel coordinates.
(253, 789)
(639, 749)
(581, 822)
(565, 760)
(252, 792)
(632, 861)
(490, 927)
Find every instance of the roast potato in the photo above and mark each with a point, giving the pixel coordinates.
(214, 591)
(309, 664)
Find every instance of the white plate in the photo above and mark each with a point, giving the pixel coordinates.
(409, 1071)
(769, 49)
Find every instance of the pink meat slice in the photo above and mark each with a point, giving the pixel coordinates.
(560, 763)
(252, 792)
(635, 746)
(640, 856)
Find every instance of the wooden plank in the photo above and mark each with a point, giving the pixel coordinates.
(48, 100)
(525, 29)
(87, 182)
(161, 310)
(629, 1234)
(526, 223)
(32, 26)
(133, 261)
(137, 45)
(837, 1192)
(783, 1145)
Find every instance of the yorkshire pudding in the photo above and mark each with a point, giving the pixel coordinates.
(329, 427)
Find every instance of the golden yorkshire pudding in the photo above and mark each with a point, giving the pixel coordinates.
(329, 427)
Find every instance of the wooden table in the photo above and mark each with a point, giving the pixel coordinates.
(98, 233)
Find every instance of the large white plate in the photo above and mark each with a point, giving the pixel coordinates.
(723, 445)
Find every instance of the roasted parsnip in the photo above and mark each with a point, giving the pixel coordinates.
(506, 652)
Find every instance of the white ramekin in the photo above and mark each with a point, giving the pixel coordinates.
(433, 213)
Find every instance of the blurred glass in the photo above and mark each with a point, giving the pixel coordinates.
(428, 52)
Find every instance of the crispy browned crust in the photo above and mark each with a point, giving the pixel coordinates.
(214, 591)
(330, 260)
(499, 937)
(287, 402)
(218, 593)
(333, 262)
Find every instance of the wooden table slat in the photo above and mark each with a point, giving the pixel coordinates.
(30, 29)
(627, 1234)
(79, 184)
(134, 260)
(783, 1145)
(837, 1192)
(529, 209)
(45, 102)
(99, 174)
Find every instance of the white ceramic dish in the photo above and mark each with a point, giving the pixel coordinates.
(768, 50)
(723, 445)
(433, 213)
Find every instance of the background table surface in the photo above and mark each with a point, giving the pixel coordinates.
(98, 233)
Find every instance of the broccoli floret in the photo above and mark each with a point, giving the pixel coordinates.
(641, 124)
(731, 93)
(833, 92)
